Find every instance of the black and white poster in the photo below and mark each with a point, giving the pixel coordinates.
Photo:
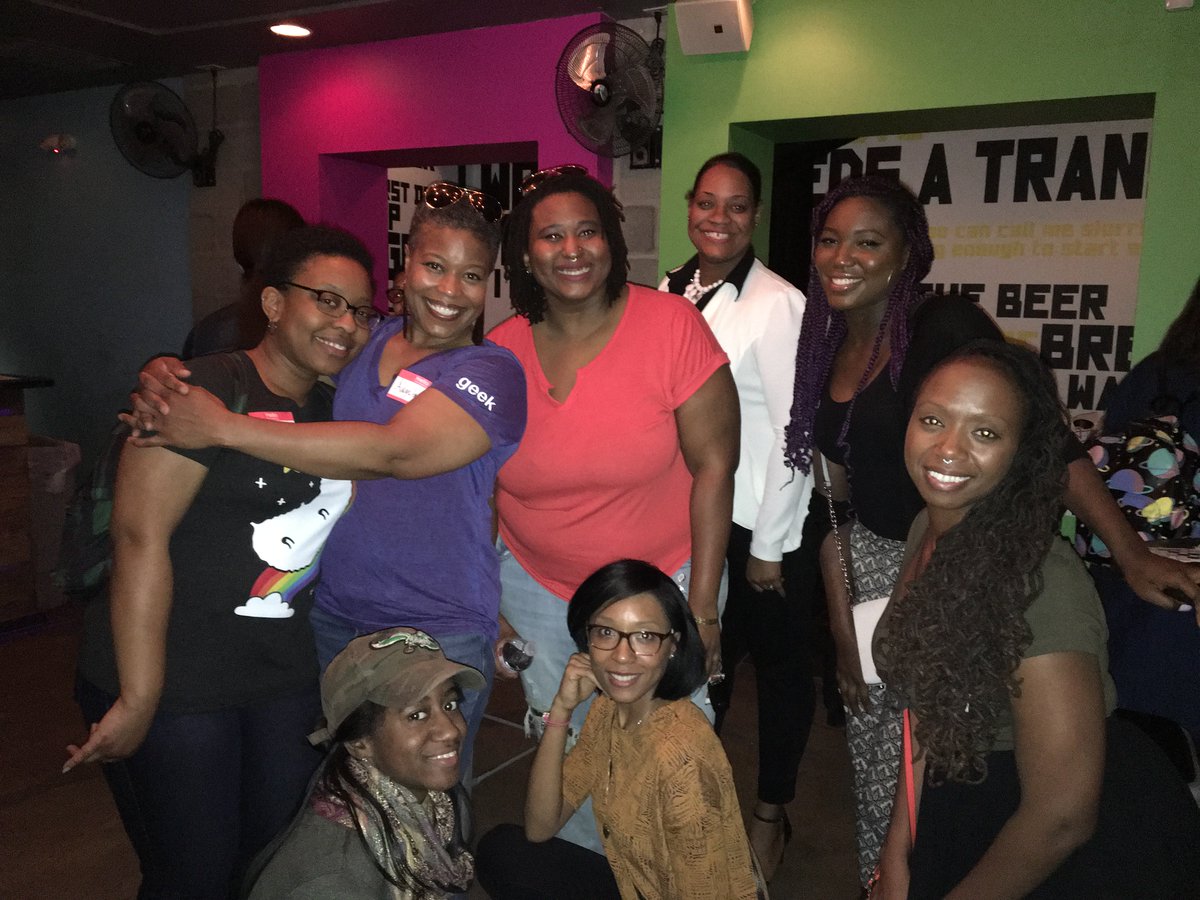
(406, 189)
(1041, 225)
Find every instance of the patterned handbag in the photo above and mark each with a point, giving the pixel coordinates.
(1151, 470)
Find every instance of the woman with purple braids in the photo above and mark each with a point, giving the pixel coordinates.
(867, 342)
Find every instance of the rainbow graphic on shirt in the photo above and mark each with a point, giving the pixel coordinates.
(275, 590)
(290, 545)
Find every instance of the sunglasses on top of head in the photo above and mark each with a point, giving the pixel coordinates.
(441, 194)
(532, 182)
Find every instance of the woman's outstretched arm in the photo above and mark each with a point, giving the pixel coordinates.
(429, 436)
(153, 491)
(1150, 576)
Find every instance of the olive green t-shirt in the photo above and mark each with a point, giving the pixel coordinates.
(1066, 616)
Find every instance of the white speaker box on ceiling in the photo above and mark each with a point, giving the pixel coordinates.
(713, 26)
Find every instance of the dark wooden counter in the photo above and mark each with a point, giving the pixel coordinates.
(17, 596)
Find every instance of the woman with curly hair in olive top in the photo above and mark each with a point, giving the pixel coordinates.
(995, 641)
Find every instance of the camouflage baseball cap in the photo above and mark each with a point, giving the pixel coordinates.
(395, 667)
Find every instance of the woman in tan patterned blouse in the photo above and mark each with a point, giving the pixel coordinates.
(660, 783)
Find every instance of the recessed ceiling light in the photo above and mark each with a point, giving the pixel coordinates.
(286, 29)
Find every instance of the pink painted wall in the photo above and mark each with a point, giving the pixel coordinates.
(321, 111)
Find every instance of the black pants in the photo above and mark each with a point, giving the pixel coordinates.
(511, 867)
(205, 792)
(1153, 654)
(1146, 845)
(774, 630)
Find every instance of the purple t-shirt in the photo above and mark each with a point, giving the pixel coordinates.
(419, 552)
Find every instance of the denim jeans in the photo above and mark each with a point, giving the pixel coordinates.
(538, 615)
(206, 791)
(332, 633)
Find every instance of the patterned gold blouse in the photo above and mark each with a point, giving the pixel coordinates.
(665, 804)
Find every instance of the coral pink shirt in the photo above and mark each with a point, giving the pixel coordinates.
(600, 476)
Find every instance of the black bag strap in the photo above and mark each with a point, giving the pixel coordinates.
(242, 373)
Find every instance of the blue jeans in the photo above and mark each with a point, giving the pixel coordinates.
(332, 633)
(538, 615)
(207, 791)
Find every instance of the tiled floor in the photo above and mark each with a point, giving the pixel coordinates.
(61, 839)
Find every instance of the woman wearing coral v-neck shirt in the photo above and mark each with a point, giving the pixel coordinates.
(632, 431)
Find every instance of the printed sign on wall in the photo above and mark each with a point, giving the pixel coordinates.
(1040, 225)
(406, 189)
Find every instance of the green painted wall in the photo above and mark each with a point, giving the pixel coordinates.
(814, 59)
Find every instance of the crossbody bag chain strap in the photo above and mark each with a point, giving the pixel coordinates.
(837, 535)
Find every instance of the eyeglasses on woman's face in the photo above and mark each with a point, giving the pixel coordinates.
(441, 194)
(642, 643)
(335, 305)
(532, 182)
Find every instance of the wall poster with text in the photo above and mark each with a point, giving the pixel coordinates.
(406, 188)
(1040, 225)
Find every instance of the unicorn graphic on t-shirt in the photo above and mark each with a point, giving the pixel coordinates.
(290, 544)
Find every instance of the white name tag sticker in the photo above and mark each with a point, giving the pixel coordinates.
(273, 416)
(407, 385)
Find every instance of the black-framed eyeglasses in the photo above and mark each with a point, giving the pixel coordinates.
(441, 194)
(643, 643)
(532, 182)
(335, 305)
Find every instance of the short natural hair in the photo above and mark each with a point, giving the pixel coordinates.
(626, 578)
(528, 298)
(461, 215)
(288, 254)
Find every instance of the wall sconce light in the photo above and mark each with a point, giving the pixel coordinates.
(59, 144)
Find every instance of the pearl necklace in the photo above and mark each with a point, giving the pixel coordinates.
(695, 290)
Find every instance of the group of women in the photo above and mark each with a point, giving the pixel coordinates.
(603, 420)
(868, 342)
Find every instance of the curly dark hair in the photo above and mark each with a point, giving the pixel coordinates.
(952, 644)
(823, 328)
(528, 298)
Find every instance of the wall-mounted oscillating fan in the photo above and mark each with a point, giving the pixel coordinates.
(155, 132)
(606, 89)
